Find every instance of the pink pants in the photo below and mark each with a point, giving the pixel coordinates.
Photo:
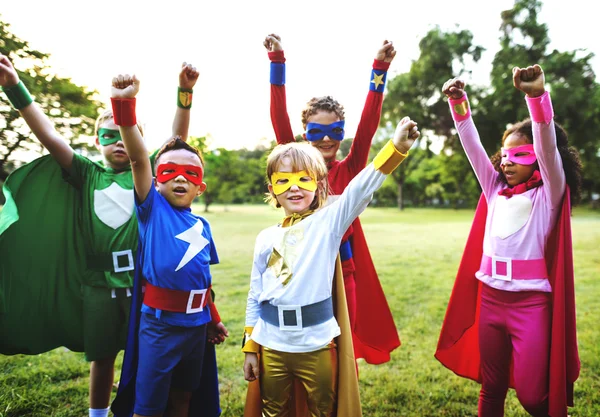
(514, 326)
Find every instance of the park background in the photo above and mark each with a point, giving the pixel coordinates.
(418, 222)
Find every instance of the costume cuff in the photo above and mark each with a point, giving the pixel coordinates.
(123, 111)
(388, 158)
(381, 65)
(540, 108)
(249, 345)
(460, 108)
(184, 97)
(214, 313)
(277, 56)
(377, 82)
(277, 73)
(18, 95)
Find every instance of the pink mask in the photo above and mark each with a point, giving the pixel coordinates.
(526, 155)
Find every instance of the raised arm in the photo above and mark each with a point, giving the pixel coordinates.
(279, 115)
(454, 89)
(123, 92)
(369, 121)
(531, 81)
(38, 122)
(187, 80)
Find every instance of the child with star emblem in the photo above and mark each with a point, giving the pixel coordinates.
(510, 321)
(296, 317)
(166, 358)
(373, 329)
(88, 267)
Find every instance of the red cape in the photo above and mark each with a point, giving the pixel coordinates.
(458, 345)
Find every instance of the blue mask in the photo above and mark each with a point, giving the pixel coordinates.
(316, 131)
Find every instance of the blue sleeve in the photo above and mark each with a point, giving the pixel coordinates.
(214, 257)
(144, 208)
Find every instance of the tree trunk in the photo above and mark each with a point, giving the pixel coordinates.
(400, 200)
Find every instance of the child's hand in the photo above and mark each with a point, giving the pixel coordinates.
(8, 74)
(529, 80)
(188, 76)
(216, 333)
(273, 43)
(125, 86)
(406, 134)
(251, 370)
(454, 88)
(386, 52)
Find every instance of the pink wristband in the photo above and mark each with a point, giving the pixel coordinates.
(124, 111)
(460, 108)
(540, 108)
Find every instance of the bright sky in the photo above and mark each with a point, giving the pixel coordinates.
(329, 47)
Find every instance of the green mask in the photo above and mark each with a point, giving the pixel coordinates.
(108, 136)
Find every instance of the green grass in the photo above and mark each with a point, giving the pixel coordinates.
(416, 253)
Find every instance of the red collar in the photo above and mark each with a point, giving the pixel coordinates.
(534, 181)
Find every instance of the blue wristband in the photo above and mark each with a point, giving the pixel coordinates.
(277, 73)
(377, 80)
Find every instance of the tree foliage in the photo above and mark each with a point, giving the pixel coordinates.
(71, 108)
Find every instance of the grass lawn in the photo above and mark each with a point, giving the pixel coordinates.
(416, 253)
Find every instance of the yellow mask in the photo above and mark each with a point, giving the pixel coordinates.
(283, 181)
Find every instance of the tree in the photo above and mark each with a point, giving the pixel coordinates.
(417, 93)
(71, 108)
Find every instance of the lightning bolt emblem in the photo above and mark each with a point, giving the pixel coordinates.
(197, 242)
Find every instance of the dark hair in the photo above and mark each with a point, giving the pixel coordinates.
(177, 143)
(325, 103)
(568, 154)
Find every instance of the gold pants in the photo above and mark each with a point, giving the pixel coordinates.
(316, 371)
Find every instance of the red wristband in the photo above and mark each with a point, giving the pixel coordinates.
(381, 65)
(124, 111)
(277, 56)
(214, 314)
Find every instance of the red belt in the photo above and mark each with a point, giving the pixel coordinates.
(178, 301)
(507, 269)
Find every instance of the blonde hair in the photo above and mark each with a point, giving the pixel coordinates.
(108, 115)
(303, 156)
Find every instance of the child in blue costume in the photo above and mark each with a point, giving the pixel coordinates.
(175, 252)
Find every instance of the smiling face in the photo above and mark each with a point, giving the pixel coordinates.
(327, 146)
(114, 154)
(295, 199)
(179, 191)
(513, 172)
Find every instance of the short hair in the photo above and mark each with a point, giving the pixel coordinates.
(303, 156)
(326, 104)
(108, 115)
(177, 143)
(568, 154)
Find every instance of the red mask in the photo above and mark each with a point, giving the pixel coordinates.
(166, 172)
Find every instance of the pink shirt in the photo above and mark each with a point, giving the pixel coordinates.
(518, 227)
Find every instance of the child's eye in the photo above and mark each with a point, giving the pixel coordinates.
(192, 173)
(306, 179)
(168, 171)
(108, 136)
(522, 154)
(337, 130)
(282, 181)
(314, 131)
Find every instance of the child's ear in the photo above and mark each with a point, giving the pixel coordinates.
(304, 136)
(97, 142)
(201, 189)
(270, 187)
(155, 183)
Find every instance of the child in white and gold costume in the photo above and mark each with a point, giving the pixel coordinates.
(290, 316)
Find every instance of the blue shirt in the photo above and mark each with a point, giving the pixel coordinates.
(176, 251)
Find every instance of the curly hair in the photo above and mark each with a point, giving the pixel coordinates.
(303, 157)
(568, 155)
(325, 103)
(177, 143)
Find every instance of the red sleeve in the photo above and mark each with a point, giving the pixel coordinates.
(369, 122)
(279, 115)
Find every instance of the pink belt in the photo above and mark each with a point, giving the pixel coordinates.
(507, 269)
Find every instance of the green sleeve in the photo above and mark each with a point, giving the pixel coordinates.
(79, 170)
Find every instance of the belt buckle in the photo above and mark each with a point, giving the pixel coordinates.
(125, 268)
(193, 293)
(508, 262)
(281, 310)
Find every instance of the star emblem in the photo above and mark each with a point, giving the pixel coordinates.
(378, 79)
(197, 242)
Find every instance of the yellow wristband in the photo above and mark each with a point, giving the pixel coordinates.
(249, 345)
(388, 158)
